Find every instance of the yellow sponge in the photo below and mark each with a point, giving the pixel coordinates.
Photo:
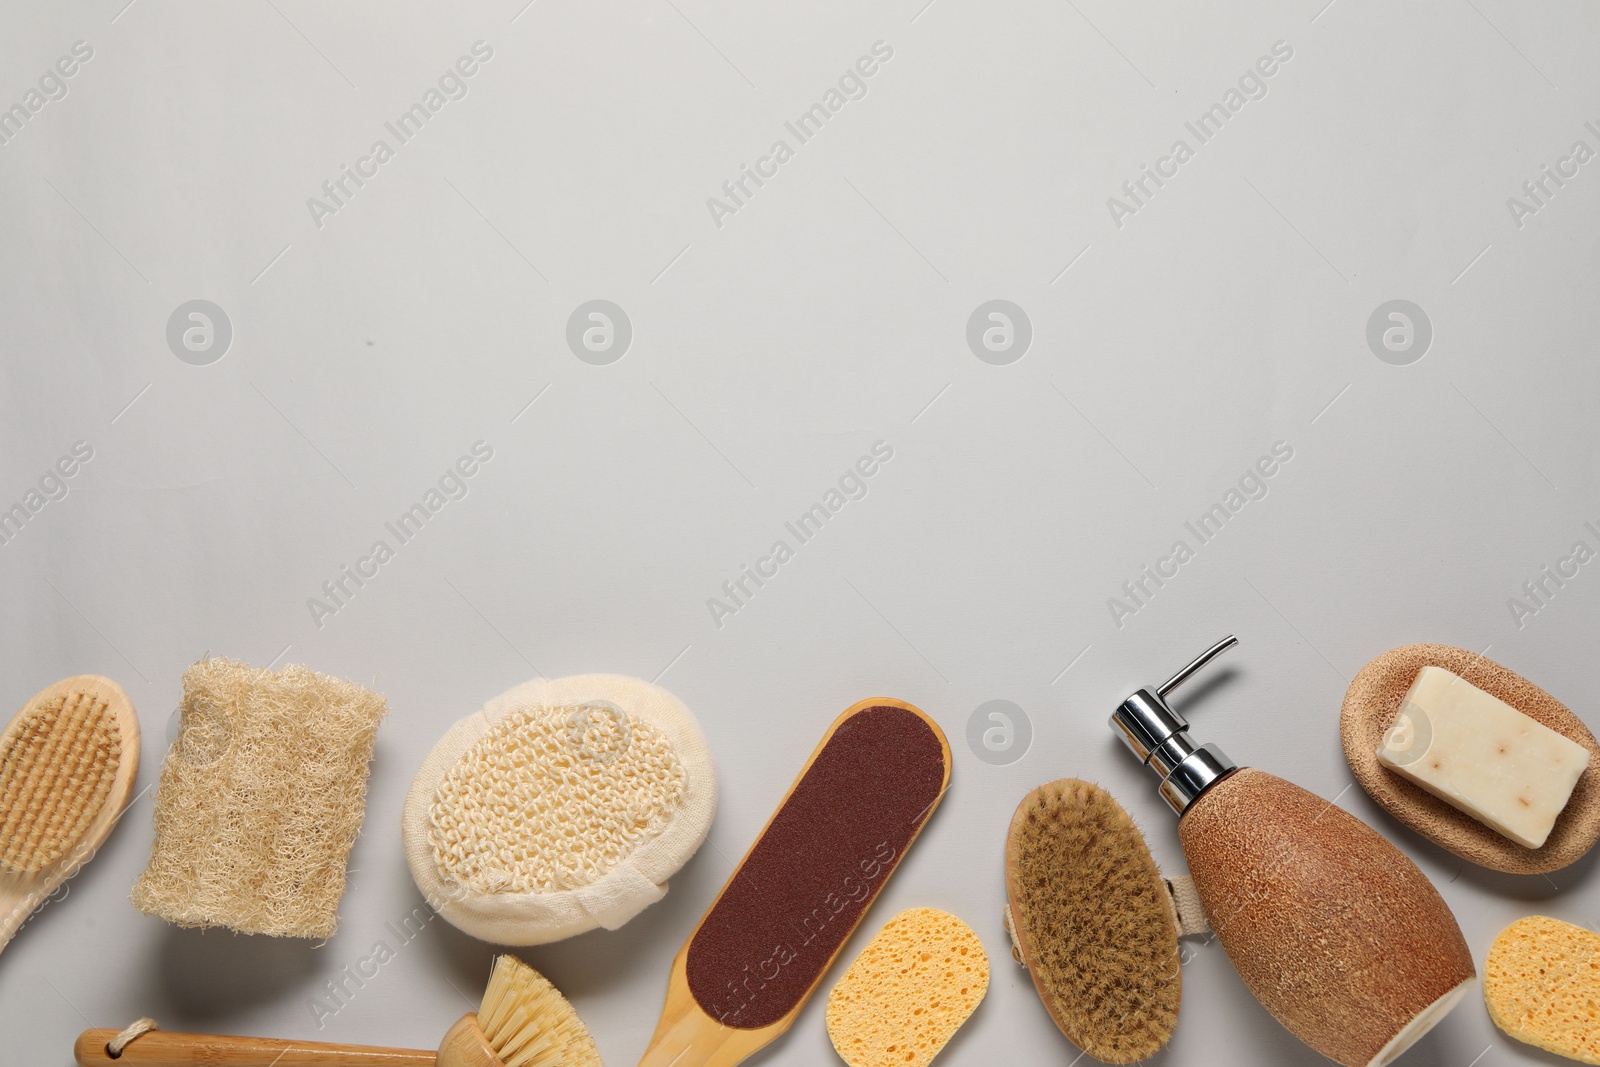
(909, 991)
(1542, 985)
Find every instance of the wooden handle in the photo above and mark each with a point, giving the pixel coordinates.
(19, 899)
(161, 1049)
(687, 1037)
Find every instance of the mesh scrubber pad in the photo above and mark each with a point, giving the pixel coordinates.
(260, 799)
(559, 807)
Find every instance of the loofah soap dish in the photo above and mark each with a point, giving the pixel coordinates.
(559, 807)
(1371, 706)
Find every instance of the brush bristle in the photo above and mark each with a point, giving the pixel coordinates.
(1097, 932)
(56, 771)
(529, 1022)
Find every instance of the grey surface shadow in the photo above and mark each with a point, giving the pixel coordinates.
(216, 974)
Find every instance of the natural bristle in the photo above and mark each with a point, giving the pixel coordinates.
(56, 771)
(529, 1023)
(1097, 933)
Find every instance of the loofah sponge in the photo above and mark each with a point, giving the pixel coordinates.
(499, 820)
(909, 991)
(1542, 984)
(260, 800)
(559, 807)
(1093, 921)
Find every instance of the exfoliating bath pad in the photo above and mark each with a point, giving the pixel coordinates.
(788, 908)
(1094, 922)
(260, 800)
(559, 807)
(909, 991)
(1371, 707)
(1542, 985)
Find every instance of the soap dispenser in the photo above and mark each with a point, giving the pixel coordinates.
(1338, 934)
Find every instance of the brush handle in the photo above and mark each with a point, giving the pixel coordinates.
(158, 1048)
(687, 1037)
(19, 899)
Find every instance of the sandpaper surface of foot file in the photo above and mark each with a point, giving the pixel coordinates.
(808, 880)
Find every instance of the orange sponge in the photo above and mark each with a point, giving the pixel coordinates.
(1542, 984)
(909, 991)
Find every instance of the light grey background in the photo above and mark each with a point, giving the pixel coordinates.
(430, 311)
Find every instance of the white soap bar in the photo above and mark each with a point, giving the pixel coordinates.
(1483, 756)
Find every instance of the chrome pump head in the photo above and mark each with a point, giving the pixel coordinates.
(1159, 736)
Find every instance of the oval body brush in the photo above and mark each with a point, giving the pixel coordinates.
(1338, 934)
(68, 762)
(1094, 922)
(523, 1021)
(787, 909)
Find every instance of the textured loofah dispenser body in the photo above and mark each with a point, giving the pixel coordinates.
(1340, 936)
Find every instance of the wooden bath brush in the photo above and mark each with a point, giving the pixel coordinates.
(523, 1021)
(1094, 922)
(68, 762)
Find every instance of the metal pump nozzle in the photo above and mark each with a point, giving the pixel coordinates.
(1159, 736)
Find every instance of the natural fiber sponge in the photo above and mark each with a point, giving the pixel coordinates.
(260, 800)
(909, 991)
(559, 807)
(1542, 984)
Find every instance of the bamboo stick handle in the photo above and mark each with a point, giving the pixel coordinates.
(159, 1048)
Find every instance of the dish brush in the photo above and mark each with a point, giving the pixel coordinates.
(523, 1021)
